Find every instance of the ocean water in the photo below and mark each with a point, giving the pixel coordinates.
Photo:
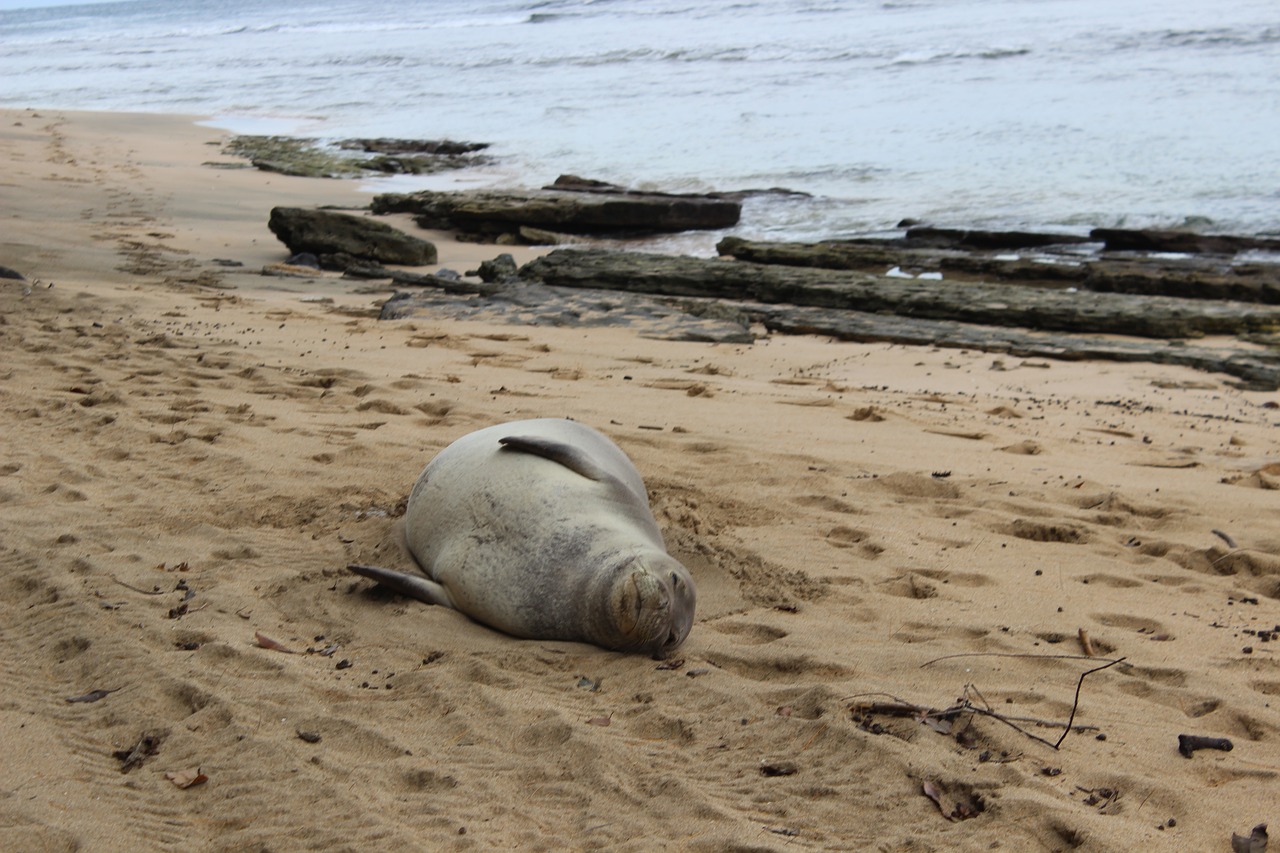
(970, 113)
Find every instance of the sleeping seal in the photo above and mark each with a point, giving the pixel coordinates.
(542, 529)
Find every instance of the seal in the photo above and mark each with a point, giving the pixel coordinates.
(542, 529)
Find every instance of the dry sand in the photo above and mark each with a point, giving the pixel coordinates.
(864, 522)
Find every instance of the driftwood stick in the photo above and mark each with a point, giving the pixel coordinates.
(1076, 703)
(1188, 744)
(1008, 722)
(1007, 655)
(900, 708)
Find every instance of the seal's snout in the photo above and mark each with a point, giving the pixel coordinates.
(666, 599)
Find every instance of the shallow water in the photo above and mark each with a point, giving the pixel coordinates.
(1021, 113)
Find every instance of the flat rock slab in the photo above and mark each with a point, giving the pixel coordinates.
(1008, 305)
(567, 212)
(1187, 278)
(540, 305)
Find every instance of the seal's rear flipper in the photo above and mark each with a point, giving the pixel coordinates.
(557, 451)
(414, 586)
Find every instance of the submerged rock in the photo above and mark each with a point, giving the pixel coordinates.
(1187, 242)
(310, 158)
(952, 238)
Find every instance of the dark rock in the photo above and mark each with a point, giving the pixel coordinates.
(500, 268)
(452, 285)
(405, 164)
(828, 254)
(343, 261)
(575, 183)
(1244, 283)
(6, 272)
(383, 145)
(627, 213)
(693, 299)
(326, 233)
(313, 159)
(1186, 278)
(448, 274)
(1185, 242)
(538, 305)
(973, 302)
(366, 271)
(950, 238)
(304, 259)
(542, 237)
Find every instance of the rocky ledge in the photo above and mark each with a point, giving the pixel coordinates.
(569, 206)
(311, 158)
(1106, 261)
(1039, 308)
(921, 289)
(720, 300)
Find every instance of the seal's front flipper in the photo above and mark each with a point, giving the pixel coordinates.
(414, 586)
(557, 451)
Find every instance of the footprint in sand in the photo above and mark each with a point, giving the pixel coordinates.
(1023, 448)
(908, 485)
(382, 407)
(749, 633)
(828, 503)
(1131, 623)
(852, 537)
(782, 668)
(1040, 531)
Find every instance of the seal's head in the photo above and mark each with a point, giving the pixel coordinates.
(653, 599)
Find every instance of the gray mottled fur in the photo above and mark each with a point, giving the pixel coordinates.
(530, 526)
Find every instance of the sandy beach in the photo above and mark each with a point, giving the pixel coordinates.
(193, 452)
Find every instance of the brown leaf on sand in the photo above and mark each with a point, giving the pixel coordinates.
(960, 804)
(934, 793)
(940, 725)
(775, 768)
(1254, 842)
(187, 778)
(147, 746)
(267, 643)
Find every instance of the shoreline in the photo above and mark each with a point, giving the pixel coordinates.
(853, 514)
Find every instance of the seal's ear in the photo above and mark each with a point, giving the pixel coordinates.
(567, 455)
